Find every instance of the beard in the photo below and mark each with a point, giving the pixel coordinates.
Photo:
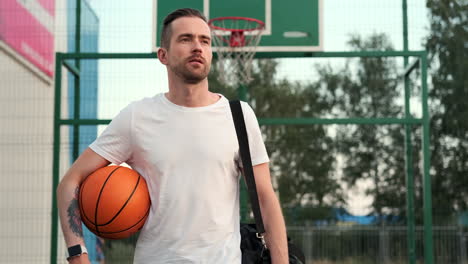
(189, 74)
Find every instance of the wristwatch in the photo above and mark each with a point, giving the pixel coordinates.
(76, 250)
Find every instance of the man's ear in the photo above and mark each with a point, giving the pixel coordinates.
(162, 55)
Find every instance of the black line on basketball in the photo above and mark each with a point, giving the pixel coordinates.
(144, 217)
(99, 198)
(125, 204)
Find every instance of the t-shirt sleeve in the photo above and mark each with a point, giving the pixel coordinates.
(115, 142)
(257, 147)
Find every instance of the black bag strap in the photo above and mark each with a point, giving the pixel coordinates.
(243, 140)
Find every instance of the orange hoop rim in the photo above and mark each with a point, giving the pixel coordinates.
(260, 24)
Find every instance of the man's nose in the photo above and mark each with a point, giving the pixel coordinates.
(197, 47)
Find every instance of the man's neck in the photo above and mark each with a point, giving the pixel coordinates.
(191, 95)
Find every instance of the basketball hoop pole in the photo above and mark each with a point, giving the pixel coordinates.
(242, 92)
(242, 95)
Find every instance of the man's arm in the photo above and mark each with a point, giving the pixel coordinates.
(273, 220)
(67, 198)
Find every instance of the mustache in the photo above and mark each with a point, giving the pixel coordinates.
(197, 58)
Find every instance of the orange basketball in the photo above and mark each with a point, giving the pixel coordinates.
(114, 202)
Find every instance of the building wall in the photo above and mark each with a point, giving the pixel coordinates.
(26, 120)
(26, 143)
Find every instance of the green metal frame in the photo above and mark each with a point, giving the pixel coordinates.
(408, 120)
(62, 60)
(411, 241)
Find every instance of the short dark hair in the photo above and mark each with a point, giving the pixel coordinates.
(166, 30)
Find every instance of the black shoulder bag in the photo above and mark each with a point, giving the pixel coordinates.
(253, 246)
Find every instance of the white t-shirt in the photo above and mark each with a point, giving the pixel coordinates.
(190, 160)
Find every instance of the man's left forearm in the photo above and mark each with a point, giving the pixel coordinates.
(275, 228)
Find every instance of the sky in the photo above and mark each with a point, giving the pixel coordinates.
(126, 26)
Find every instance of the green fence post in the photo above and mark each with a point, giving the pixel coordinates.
(77, 92)
(409, 150)
(56, 158)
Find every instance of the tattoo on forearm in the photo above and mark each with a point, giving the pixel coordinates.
(74, 218)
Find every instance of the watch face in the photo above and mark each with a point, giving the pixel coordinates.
(74, 250)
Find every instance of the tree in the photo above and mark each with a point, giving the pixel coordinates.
(447, 45)
(302, 156)
(373, 153)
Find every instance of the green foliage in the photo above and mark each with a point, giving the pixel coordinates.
(372, 153)
(314, 166)
(447, 45)
(302, 156)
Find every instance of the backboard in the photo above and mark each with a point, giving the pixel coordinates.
(290, 26)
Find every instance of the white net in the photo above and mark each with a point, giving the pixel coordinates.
(235, 41)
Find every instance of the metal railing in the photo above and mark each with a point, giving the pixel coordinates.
(377, 244)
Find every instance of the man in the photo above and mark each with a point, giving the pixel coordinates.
(184, 144)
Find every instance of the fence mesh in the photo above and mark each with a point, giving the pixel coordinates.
(27, 115)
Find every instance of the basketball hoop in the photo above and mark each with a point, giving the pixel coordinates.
(236, 40)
